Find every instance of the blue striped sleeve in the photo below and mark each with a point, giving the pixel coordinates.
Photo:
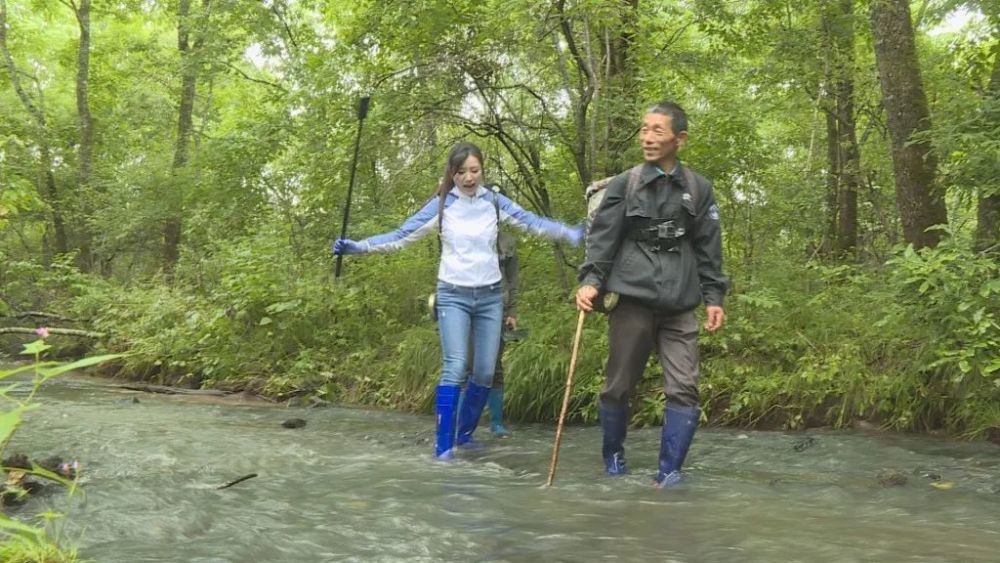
(414, 228)
(525, 220)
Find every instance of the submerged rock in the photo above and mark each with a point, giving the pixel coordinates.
(294, 423)
(19, 483)
(891, 478)
(804, 444)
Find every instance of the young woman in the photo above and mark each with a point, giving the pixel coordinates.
(469, 290)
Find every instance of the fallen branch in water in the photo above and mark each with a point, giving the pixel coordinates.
(51, 330)
(240, 480)
(174, 390)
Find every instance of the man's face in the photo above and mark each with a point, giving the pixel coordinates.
(657, 138)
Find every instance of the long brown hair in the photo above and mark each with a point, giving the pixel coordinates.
(456, 158)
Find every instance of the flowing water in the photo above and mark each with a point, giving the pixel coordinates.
(360, 485)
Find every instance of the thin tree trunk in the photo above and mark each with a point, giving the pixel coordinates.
(915, 165)
(587, 85)
(988, 208)
(86, 152)
(832, 175)
(850, 155)
(47, 182)
(82, 90)
(620, 94)
(52, 198)
(828, 103)
(185, 126)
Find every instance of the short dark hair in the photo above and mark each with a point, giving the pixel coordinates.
(678, 118)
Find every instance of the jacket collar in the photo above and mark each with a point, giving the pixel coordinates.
(480, 191)
(651, 172)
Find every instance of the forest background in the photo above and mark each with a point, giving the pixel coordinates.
(172, 173)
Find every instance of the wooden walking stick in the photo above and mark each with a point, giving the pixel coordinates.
(565, 405)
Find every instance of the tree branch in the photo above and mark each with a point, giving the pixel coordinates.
(239, 71)
(41, 315)
(59, 331)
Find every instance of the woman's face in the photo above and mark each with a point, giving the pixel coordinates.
(469, 175)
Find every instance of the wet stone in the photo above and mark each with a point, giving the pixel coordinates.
(891, 478)
(294, 423)
(804, 444)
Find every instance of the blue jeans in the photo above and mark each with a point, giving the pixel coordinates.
(461, 310)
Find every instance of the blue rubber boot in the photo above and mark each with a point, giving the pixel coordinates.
(446, 405)
(468, 416)
(614, 423)
(679, 424)
(495, 404)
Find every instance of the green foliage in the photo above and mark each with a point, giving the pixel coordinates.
(22, 541)
(537, 368)
(912, 347)
(953, 295)
(29, 550)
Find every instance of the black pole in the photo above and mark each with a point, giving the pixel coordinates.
(362, 113)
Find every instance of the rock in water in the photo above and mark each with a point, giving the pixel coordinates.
(294, 423)
(891, 478)
(804, 444)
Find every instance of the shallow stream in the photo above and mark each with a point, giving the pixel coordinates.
(360, 485)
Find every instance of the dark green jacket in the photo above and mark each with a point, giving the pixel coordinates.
(667, 281)
(510, 270)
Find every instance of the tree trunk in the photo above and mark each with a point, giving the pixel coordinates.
(850, 155)
(586, 86)
(620, 93)
(86, 152)
(915, 165)
(832, 173)
(47, 182)
(603, 98)
(82, 101)
(827, 101)
(51, 196)
(185, 126)
(988, 209)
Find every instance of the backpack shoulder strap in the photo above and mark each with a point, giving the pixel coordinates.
(443, 195)
(495, 189)
(694, 187)
(633, 180)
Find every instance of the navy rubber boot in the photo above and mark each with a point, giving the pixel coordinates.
(495, 403)
(446, 405)
(679, 424)
(614, 423)
(473, 402)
